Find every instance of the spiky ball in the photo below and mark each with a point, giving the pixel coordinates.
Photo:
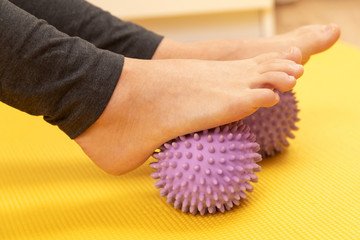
(208, 171)
(273, 125)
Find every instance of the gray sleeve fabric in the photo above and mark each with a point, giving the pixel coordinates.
(82, 19)
(46, 72)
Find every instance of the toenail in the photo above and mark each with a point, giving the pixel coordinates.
(333, 26)
(292, 78)
(291, 50)
(326, 27)
(297, 67)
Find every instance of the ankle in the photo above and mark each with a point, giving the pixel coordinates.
(204, 50)
(171, 49)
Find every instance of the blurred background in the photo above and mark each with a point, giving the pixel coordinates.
(194, 20)
(346, 13)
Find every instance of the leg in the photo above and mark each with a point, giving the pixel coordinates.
(79, 18)
(158, 100)
(153, 102)
(310, 39)
(45, 72)
(82, 19)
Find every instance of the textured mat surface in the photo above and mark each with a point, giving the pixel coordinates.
(50, 190)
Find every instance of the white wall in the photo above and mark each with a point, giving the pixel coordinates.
(191, 20)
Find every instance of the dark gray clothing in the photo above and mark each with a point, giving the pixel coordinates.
(82, 19)
(65, 68)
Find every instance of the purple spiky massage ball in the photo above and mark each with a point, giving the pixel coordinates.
(208, 171)
(274, 124)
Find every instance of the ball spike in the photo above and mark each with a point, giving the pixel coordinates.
(185, 166)
(208, 202)
(191, 177)
(223, 149)
(217, 130)
(236, 202)
(169, 155)
(211, 210)
(182, 138)
(222, 209)
(178, 155)
(193, 210)
(155, 175)
(196, 136)
(197, 168)
(175, 145)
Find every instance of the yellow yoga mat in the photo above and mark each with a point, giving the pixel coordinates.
(50, 190)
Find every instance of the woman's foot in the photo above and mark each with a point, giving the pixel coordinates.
(158, 100)
(310, 39)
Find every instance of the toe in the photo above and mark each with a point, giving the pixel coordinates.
(332, 33)
(279, 80)
(314, 39)
(282, 65)
(323, 33)
(322, 37)
(263, 98)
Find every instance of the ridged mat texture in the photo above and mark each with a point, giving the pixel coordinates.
(50, 190)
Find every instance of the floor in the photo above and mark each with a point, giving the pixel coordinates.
(346, 13)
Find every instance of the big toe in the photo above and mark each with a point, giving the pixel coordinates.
(331, 33)
(326, 37)
(316, 38)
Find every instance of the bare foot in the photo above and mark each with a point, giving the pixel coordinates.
(310, 39)
(158, 100)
